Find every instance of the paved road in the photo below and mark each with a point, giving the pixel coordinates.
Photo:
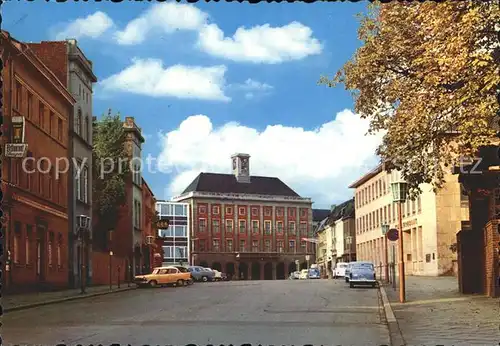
(318, 312)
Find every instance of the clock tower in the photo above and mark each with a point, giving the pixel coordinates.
(241, 167)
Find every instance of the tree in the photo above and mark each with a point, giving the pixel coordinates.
(110, 171)
(427, 75)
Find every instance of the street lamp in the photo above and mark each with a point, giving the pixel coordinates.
(110, 271)
(399, 193)
(83, 227)
(307, 260)
(385, 228)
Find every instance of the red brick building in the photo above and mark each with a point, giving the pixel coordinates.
(35, 198)
(250, 227)
(149, 233)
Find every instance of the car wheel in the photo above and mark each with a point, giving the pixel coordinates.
(204, 279)
(179, 283)
(351, 285)
(346, 280)
(153, 283)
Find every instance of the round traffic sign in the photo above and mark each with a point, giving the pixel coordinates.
(393, 234)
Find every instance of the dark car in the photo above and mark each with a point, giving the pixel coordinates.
(201, 274)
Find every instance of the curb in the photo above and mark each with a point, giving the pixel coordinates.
(394, 332)
(67, 299)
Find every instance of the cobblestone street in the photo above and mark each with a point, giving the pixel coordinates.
(436, 314)
(317, 312)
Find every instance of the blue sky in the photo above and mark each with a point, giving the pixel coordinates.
(207, 80)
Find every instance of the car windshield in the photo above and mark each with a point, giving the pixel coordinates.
(362, 266)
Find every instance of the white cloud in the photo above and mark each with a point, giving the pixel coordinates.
(252, 88)
(260, 44)
(318, 163)
(92, 26)
(162, 18)
(149, 77)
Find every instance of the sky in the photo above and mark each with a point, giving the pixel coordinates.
(205, 81)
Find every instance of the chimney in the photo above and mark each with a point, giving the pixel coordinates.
(241, 167)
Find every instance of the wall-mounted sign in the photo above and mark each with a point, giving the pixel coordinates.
(163, 224)
(16, 150)
(393, 234)
(18, 126)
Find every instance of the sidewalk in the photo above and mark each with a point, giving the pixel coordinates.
(30, 300)
(435, 313)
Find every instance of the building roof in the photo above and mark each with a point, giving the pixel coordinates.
(320, 214)
(227, 183)
(342, 211)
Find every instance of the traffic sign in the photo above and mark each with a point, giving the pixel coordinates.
(393, 234)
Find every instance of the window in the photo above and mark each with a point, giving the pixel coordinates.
(389, 213)
(280, 245)
(413, 207)
(292, 245)
(229, 226)
(19, 100)
(86, 128)
(17, 235)
(85, 187)
(215, 245)
(59, 263)
(242, 226)
(78, 184)
(291, 212)
(201, 245)
(27, 243)
(303, 228)
(419, 204)
(59, 129)
(267, 245)
(51, 122)
(29, 111)
(255, 226)
(279, 212)
(229, 210)
(78, 122)
(267, 227)
(303, 213)
(202, 209)
(215, 226)
(291, 227)
(303, 244)
(267, 211)
(41, 182)
(215, 210)
(255, 246)
(241, 211)
(49, 255)
(279, 226)
(41, 114)
(242, 245)
(51, 183)
(202, 225)
(229, 246)
(255, 212)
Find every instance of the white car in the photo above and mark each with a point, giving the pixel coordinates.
(304, 274)
(339, 271)
(217, 275)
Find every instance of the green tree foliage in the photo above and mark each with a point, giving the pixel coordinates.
(110, 171)
(426, 75)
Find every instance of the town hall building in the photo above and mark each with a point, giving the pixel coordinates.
(250, 227)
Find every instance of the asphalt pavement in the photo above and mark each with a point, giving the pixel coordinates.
(298, 312)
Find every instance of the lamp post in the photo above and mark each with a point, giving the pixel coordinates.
(83, 227)
(110, 271)
(307, 260)
(399, 192)
(385, 229)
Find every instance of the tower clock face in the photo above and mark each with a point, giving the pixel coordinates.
(234, 163)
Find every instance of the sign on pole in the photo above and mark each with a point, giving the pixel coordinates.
(16, 150)
(393, 234)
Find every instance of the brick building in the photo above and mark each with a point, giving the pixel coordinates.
(148, 228)
(251, 227)
(74, 70)
(35, 196)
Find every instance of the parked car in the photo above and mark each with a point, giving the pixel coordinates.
(163, 276)
(304, 274)
(294, 276)
(217, 275)
(339, 271)
(362, 273)
(346, 271)
(201, 274)
(314, 274)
